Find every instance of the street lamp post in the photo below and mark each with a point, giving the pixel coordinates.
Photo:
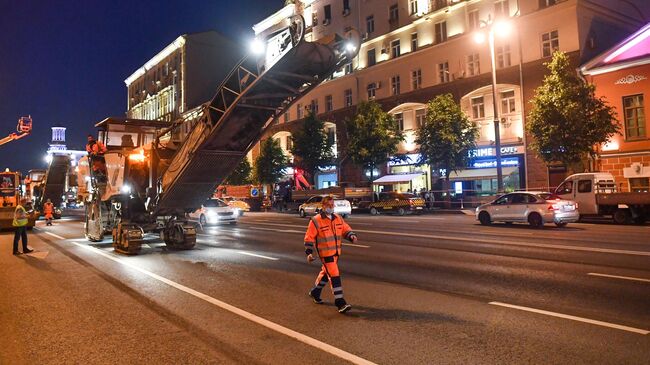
(502, 28)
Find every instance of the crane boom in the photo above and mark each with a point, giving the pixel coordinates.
(23, 129)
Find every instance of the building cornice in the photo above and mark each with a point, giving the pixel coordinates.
(171, 48)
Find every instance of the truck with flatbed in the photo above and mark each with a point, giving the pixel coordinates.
(597, 196)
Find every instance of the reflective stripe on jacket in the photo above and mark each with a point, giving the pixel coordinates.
(326, 234)
(20, 217)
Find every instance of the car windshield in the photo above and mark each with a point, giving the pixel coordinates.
(215, 203)
(549, 196)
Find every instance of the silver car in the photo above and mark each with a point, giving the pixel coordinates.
(215, 211)
(535, 208)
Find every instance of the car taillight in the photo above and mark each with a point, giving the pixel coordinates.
(554, 207)
(576, 205)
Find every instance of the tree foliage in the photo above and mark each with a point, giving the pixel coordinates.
(446, 136)
(311, 146)
(567, 120)
(241, 175)
(373, 137)
(270, 163)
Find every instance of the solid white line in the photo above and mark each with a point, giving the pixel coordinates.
(354, 245)
(53, 235)
(497, 242)
(240, 312)
(256, 255)
(619, 277)
(573, 318)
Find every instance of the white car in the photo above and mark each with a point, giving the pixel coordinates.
(314, 205)
(215, 211)
(534, 208)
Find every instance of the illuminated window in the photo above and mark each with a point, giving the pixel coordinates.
(550, 43)
(634, 117)
(473, 65)
(414, 42)
(395, 85)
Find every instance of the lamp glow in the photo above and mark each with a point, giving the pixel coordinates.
(257, 47)
(479, 37)
(502, 28)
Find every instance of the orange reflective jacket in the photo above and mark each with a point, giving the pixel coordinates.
(48, 210)
(96, 148)
(325, 235)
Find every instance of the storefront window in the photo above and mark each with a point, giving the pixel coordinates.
(640, 185)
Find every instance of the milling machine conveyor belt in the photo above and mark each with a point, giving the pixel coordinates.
(255, 92)
(55, 180)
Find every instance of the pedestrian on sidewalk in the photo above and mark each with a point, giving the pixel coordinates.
(20, 223)
(325, 234)
(48, 210)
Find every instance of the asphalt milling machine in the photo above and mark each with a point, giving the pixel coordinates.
(152, 186)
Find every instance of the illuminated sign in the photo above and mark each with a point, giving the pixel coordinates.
(411, 159)
(491, 151)
(511, 161)
(458, 187)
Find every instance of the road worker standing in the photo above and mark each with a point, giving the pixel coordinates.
(48, 211)
(324, 234)
(96, 150)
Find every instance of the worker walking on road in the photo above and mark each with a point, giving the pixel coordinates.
(20, 223)
(48, 211)
(324, 234)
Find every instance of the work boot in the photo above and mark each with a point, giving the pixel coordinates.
(16, 252)
(342, 305)
(314, 294)
(27, 250)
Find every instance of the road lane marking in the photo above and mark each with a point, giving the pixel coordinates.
(573, 318)
(237, 311)
(496, 242)
(256, 255)
(619, 277)
(354, 245)
(53, 235)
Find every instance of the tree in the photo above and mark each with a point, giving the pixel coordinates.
(241, 175)
(446, 136)
(270, 163)
(311, 146)
(567, 120)
(373, 137)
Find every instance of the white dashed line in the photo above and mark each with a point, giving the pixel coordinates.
(573, 318)
(619, 277)
(53, 235)
(237, 311)
(256, 255)
(354, 245)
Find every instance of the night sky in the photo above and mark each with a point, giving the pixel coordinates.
(64, 62)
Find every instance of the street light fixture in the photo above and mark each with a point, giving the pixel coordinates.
(502, 28)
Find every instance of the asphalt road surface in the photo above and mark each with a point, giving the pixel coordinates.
(431, 289)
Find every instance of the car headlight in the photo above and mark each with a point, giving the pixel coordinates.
(235, 211)
(211, 213)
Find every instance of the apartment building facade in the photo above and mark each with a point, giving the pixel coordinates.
(413, 50)
(622, 76)
(181, 77)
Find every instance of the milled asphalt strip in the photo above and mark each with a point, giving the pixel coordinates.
(573, 318)
(496, 242)
(230, 308)
(619, 277)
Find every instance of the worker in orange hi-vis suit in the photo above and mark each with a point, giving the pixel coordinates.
(48, 211)
(325, 233)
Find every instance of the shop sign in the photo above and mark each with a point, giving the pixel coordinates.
(491, 151)
(483, 164)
